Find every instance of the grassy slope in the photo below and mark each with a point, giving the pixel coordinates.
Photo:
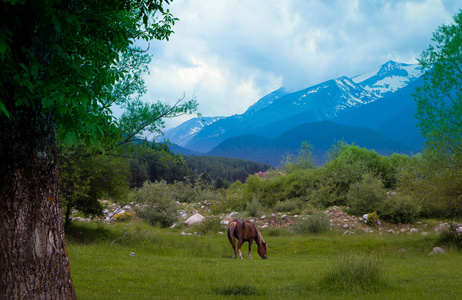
(167, 265)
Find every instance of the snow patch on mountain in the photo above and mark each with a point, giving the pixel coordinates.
(184, 132)
(389, 77)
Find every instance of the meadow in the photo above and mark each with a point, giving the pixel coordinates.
(135, 260)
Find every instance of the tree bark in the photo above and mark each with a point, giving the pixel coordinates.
(33, 255)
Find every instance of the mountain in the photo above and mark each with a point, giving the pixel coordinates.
(388, 78)
(280, 111)
(184, 132)
(321, 135)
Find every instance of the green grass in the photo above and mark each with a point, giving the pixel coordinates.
(168, 265)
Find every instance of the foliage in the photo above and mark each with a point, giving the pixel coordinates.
(224, 168)
(159, 208)
(84, 179)
(288, 205)
(435, 188)
(316, 223)
(400, 209)
(439, 99)
(355, 271)
(450, 236)
(372, 219)
(366, 195)
(155, 162)
(254, 207)
(303, 160)
(209, 225)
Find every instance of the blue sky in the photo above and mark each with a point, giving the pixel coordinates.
(230, 53)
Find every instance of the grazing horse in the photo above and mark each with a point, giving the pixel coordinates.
(245, 231)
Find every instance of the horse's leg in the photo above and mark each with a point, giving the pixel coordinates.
(239, 244)
(250, 249)
(234, 248)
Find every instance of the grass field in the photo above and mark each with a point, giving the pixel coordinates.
(167, 265)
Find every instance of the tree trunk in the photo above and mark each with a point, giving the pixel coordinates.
(33, 255)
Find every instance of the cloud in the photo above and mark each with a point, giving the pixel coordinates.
(228, 54)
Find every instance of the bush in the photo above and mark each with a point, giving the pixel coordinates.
(316, 223)
(366, 195)
(288, 205)
(450, 237)
(183, 192)
(400, 209)
(159, 207)
(254, 207)
(354, 272)
(209, 225)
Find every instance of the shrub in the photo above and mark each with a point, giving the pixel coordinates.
(287, 206)
(316, 223)
(354, 271)
(254, 207)
(209, 225)
(159, 207)
(183, 192)
(372, 219)
(366, 195)
(450, 237)
(400, 209)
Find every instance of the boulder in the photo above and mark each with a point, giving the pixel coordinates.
(194, 219)
(437, 250)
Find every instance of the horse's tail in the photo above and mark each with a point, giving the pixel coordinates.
(231, 228)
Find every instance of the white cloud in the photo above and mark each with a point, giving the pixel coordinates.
(231, 53)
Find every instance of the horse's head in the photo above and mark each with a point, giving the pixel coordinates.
(262, 250)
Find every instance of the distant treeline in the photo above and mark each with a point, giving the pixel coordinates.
(228, 169)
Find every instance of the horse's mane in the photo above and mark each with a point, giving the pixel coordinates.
(260, 237)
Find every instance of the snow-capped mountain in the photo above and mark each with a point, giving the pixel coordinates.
(184, 132)
(389, 77)
(280, 111)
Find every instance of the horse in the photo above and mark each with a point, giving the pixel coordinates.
(245, 231)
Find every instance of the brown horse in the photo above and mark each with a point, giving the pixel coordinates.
(245, 231)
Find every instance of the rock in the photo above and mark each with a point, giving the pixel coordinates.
(131, 253)
(365, 216)
(283, 216)
(174, 225)
(106, 211)
(194, 219)
(459, 229)
(263, 217)
(224, 222)
(413, 230)
(233, 214)
(264, 226)
(436, 250)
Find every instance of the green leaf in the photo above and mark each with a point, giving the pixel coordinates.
(4, 110)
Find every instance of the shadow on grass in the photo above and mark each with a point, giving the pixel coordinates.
(236, 290)
(88, 233)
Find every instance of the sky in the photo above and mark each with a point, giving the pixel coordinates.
(230, 53)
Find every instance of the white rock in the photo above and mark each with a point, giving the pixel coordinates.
(194, 219)
(283, 216)
(459, 229)
(224, 222)
(264, 226)
(365, 216)
(345, 226)
(105, 211)
(437, 250)
(413, 230)
(174, 225)
(263, 217)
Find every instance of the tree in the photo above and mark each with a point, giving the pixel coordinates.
(439, 99)
(64, 63)
(304, 159)
(86, 178)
